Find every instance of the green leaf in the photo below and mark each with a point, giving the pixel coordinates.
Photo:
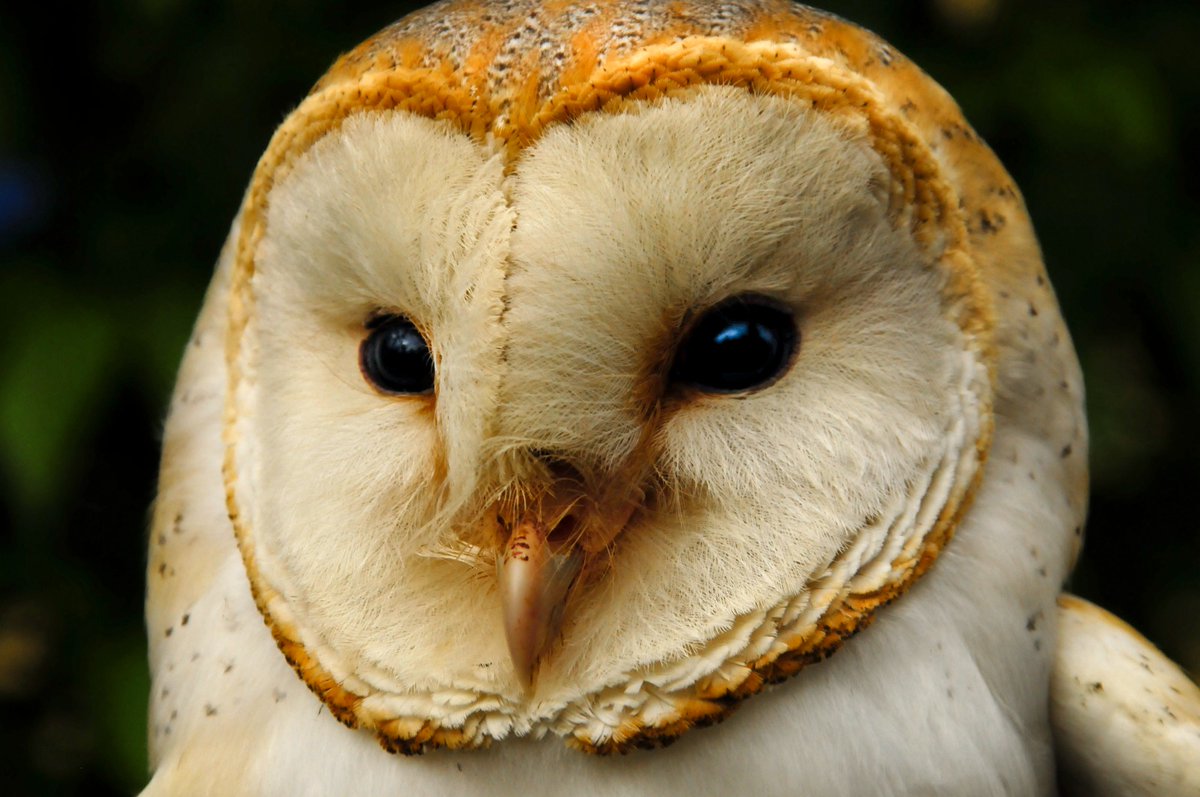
(56, 365)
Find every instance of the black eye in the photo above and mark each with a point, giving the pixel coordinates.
(395, 358)
(739, 345)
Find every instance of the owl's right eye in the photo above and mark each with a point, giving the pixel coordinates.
(395, 357)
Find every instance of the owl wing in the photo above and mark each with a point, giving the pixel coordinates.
(1126, 719)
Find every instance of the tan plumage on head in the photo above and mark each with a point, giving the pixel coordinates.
(580, 370)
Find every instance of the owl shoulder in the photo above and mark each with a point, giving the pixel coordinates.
(1126, 719)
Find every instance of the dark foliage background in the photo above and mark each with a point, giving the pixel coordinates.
(129, 127)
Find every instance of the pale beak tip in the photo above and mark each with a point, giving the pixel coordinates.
(525, 672)
(534, 582)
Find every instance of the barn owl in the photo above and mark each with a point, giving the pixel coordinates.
(577, 373)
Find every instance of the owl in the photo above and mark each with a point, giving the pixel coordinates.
(578, 373)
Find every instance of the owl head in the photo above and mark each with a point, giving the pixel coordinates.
(592, 366)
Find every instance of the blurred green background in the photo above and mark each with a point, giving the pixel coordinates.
(129, 127)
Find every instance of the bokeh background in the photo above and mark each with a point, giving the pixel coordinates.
(129, 127)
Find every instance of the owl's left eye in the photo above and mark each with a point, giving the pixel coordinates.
(395, 357)
(740, 345)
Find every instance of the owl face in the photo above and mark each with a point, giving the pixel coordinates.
(595, 432)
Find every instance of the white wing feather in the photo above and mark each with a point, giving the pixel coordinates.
(1126, 719)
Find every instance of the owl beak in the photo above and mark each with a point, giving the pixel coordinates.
(539, 562)
(543, 552)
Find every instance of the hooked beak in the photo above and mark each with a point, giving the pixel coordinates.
(535, 575)
(541, 558)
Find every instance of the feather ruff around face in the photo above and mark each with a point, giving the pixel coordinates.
(651, 705)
